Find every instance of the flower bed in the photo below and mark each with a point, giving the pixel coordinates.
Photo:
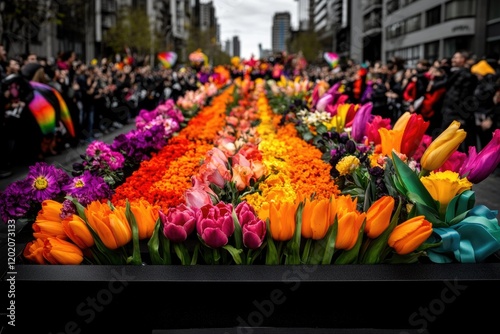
(268, 177)
(319, 182)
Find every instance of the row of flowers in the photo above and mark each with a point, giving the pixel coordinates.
(320, 181)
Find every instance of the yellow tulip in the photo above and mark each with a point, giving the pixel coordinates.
(378, 216)
(146, 216)
(315, 219)
(443, 147)
(408, 236)
(282, 220)
(348, 229)
(57, 251)
(111, 226)
(443, 186)
(401, 122)
(77, 230)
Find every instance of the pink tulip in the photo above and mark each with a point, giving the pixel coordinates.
(253, 228)
(479, 166)
(178, 223)
(214, 224)
(199, 194)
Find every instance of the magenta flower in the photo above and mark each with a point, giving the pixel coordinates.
(454, 162)
(253, 228)
(214, 224)
(479, 166)
(178, 223)
(361, 119)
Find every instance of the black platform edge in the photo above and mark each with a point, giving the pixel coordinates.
(288, 330)
(261, 273)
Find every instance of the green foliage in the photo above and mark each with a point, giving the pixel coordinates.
(132, 30)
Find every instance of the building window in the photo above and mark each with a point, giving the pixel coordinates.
(394, 30)
(431, 51)
(407, 2)
(392, 6)
(412, 24)
(460, 8)
(452, 45)
(493, 10)
(433, 16)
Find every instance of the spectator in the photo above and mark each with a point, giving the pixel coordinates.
(484, 93)
(458, 101)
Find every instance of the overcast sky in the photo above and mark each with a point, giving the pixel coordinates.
(252, 21)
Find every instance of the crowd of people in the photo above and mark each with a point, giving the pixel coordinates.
(104, 95)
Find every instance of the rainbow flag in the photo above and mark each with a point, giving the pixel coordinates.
(48, 105)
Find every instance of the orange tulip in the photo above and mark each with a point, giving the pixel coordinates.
(51, 210)
(77, 230)
(111, 226)
(33, 251)
(315, 219)
(44, 229)
(348, 229)
(58, 251)
(146, 216)
(378, 216)
(390, 140)
(282, 220)
(408, 236)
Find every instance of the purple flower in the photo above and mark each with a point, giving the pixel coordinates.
(361, 119)
(68, 209)
(14, 201)
(44, 181)
(87, 188)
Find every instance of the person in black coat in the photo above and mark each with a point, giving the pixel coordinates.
(458, 101)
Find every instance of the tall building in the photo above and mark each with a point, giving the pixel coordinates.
(433, 29)
(281, 31)
(227, 47)
(305, 13)
(236, 46)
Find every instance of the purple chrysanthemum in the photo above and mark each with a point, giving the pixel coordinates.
(14, 201)
(86, 188)
(43, 180)
(68, 209)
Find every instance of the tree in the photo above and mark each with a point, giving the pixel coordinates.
(308, 43)
(22, 20)
(133, 30)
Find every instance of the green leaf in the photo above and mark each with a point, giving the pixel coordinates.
(272, 253)
(412, 183)
(329, 239)
(293, 246)
(154, 242)
(235, 253)
(182, 253)
(136, 250)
